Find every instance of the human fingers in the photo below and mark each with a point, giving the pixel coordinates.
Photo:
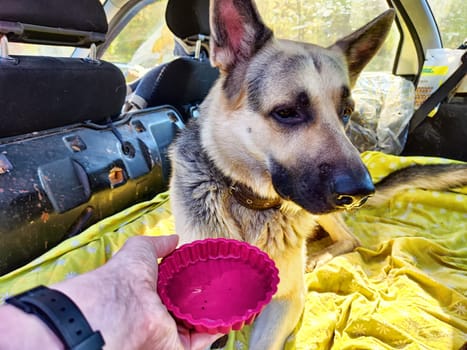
(200, 341)
(196, 341)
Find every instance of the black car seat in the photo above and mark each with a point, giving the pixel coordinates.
(184, 82)
(39, 93)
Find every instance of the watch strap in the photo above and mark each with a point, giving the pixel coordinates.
(61, 315)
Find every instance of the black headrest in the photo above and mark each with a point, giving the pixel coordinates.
(186, 18)
(57, 22)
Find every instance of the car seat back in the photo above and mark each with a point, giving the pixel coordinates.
(39, 93)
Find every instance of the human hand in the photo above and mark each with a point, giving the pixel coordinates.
(120, 299)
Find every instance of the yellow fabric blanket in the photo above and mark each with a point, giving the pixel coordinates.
(405, 288)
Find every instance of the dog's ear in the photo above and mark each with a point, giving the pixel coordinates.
(237, 32)
(360, 46)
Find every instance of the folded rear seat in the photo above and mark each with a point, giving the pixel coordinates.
(68, 157)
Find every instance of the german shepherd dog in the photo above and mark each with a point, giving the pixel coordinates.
(268, 160)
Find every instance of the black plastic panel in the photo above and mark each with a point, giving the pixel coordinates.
(54, 185)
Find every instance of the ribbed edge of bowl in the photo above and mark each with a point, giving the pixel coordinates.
(215, 248)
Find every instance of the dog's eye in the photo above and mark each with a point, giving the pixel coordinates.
(288, 115)
(346, 114)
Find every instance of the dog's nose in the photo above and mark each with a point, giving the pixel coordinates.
(352, 191)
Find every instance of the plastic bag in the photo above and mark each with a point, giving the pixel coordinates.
(384, 104)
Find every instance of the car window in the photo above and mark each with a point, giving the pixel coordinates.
(39, 50)
(323, 22)
(145, 42)
(450, 18)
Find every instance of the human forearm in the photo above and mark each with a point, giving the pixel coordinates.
(20, 330)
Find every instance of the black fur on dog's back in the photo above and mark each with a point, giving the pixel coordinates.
(433, 177)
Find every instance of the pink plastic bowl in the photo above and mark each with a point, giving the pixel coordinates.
(216, 285)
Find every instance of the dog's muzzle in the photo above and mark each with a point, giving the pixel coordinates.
(324, 188)
(351, 192)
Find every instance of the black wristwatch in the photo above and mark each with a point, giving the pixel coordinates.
(61, 315)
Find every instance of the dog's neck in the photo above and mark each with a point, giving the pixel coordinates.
(246, 197)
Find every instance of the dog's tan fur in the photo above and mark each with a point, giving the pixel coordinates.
(243, 137)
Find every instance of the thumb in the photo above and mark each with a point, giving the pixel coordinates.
(163, 245)
(147, 249)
